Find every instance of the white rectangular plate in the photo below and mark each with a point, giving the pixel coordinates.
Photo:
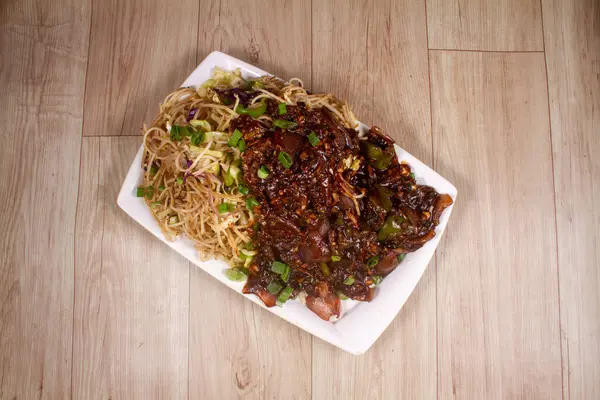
(360, 323)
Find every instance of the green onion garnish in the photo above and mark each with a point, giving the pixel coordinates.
(140, 192)
(236, 275)
(313, 138)
(349, 280)
(153, 169)
(242, 145)
(263, 172)
(400, 257)
(285, 159)
(285, 294)
(336, 258)
(175, 133)
(281, 123)
(274, 287)
(373, 261)
(278, 267)
(251, 202)
(243, 190)
(377, 279)
(412, 175)
(235, 138)
(197, 138)
(254, 111)
(282, 108)
(179, 180)
(225, 207)
(342, 296)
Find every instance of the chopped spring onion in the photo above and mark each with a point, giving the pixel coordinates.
(225, 207)
(400, 257)
(325, 269)
(153, 169)
(236, 274)
(247, 254)
(179, 180)
(282, 108)
(251, 202)
(377, 279)
(285, 159)
(285, 294)
(243, 190)
(349, 280)
(140, 192)
(274, 287)
(254, 111)
(235, 138)
(373, 261)
(313, 138)
(336, 258)
(412, 175)
(279, 267)
(263, 172)
(281, 123)
(175, 133)
(242, 145)
(197, 138)
(342, 296)
(286, 274)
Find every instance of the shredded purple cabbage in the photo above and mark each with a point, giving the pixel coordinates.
(191, 114)
(244, 96)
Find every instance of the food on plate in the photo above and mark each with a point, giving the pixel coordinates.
(280, 183)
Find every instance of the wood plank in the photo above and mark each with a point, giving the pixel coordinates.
(510, 25)
(237, 349)
(498, 323)
(573, 59)
(142, 50)
(131, 291)
(42, 77)
(402, 363)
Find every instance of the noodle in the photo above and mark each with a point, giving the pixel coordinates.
(187, 161)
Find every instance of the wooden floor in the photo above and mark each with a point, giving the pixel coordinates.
(501, 97)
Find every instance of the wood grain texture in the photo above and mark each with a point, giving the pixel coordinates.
(498, 322)
(131, 293)
(141, 51)
(510, 25)
(237, 349)
(402, 363)
(42, 76)
(572, 35)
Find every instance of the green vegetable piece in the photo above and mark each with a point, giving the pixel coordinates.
(251, 202)
(373, 261)
(197, 138)
(349, 280)
(175, 133)
(385, 195)
(235, 138)
(153, 169)
(342, 296)
(325, 269)
(225, 207)
(179, 180)
(412, 175)
(281, 123)
(254, 111)
(377, 157)
(313, 139)
(282, 108)
(377, 279)
(400, 257)
(286, 274)
(336, 258)
(263, 172)
(228, 180)
(285, 159)
(274, 287)
(391, 226)
(242, 145)
(140, 192)
(278, 267)
(285, 294)
(243, 190)
(236, 275)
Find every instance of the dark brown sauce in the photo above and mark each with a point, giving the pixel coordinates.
(341, 216)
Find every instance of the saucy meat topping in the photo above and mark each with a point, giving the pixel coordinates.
(334, 212)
